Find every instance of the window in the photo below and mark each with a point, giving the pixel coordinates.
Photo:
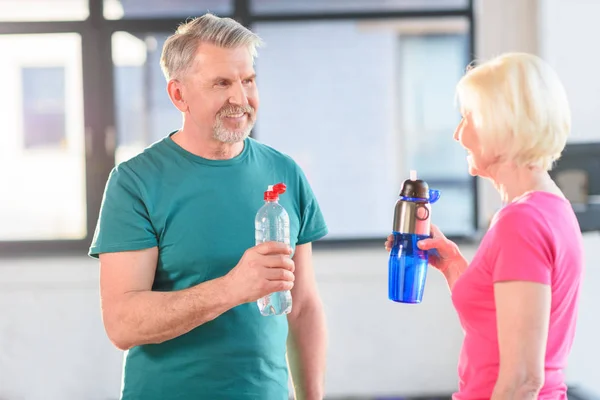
(144, 111)
(359, 104)
(43, 91)
(430, 65)
(348, 99)
(43, 10)
(285, 6)
(117, 9)
(42, 156)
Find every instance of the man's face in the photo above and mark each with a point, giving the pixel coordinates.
(220, 92)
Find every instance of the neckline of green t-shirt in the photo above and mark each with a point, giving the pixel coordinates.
(201, 160)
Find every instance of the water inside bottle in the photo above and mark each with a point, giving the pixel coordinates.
(407, 269)
(272, 224)
(276, 303)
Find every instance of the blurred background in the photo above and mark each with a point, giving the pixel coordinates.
(359, 92)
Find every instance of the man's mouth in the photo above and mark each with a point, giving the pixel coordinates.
(239, 115)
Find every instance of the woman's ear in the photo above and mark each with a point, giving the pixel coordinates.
(175, 91)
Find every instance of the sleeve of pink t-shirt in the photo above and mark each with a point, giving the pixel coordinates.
(522, 247)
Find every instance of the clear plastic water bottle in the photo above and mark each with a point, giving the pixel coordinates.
(407, 264)
(272, 224)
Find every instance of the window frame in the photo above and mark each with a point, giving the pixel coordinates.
(98, 97)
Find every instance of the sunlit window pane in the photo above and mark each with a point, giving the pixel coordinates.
(144, 111)
(43, 10)
(42, 157)
(281, 6)
(118, 9)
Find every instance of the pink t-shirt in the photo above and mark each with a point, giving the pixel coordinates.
(536, 238)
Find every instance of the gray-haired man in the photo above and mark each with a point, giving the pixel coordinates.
(180, 274)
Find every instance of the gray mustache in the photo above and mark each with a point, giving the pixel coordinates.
(226, 111)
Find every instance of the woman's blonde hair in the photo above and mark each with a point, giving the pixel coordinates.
(519, 107)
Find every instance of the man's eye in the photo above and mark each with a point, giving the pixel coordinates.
(222, 83)
(249, 81)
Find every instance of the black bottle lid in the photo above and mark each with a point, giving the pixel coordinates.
(415, 189)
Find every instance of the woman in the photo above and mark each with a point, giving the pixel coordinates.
(517, 300)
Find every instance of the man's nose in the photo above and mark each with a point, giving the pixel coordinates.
(238, 94)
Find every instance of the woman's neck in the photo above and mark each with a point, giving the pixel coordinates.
(513, 182)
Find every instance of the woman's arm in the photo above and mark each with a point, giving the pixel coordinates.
(523, 314)
(454, 269)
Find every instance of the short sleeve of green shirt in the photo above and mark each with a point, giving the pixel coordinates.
(124, 223)
(312, 224)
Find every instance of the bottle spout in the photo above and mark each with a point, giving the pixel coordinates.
(413, 175)
(434, 195)
(273, 191)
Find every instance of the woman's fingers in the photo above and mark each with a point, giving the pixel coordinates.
(428, 244)
(435, 232)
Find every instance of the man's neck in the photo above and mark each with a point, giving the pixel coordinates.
(208, 148)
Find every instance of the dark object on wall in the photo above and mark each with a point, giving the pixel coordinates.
(577, 173)
(579, 393)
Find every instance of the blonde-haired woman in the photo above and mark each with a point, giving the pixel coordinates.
(517, 299)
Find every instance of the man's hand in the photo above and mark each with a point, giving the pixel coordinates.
(264, 269)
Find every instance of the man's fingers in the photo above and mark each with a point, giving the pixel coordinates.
(279, 286)
(280, 274)
(269, 248)
(279, 261)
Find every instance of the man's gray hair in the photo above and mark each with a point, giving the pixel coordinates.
(179, 49)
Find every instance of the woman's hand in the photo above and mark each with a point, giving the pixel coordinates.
(444, 254)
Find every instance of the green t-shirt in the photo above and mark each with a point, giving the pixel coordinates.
(200, 213)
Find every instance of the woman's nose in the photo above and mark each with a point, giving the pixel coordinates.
(456, 134)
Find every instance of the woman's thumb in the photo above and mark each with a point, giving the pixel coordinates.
(427, 244)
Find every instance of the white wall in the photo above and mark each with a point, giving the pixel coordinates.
(52, 343)
(569, 32)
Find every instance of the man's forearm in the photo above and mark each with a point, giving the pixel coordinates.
(147, 317)
(307, 346)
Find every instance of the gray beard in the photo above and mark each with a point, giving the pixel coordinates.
(224, 135)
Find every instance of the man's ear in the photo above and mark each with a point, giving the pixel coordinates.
(175, 91)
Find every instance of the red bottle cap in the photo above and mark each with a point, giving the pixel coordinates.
(273, 192)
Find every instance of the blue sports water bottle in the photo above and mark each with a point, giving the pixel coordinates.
(407, 266)
(272, 224)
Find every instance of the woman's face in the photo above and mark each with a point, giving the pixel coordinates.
(466, 134)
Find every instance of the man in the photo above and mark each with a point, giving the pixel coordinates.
(179, 272)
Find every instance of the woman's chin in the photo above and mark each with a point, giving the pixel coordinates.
(474, 171)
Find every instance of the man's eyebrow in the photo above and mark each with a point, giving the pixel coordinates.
(220, 78)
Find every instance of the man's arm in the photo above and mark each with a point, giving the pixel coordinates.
(523, 314)
(308, 334)
(133, 314)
